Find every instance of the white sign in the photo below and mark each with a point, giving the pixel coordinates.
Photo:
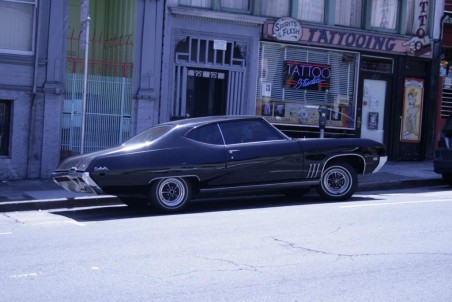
(266, 89)
(220, 44)
(287, 29)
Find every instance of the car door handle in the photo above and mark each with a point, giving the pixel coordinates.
(232, 151)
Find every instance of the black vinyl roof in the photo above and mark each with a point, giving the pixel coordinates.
(209, 119)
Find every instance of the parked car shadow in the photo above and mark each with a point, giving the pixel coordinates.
(204, 205)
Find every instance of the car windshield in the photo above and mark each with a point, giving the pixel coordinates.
(149, 135)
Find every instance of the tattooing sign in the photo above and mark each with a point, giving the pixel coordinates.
(299, 75)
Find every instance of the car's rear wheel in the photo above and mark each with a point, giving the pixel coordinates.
(338, 182)
(170, 194)
(447, 177)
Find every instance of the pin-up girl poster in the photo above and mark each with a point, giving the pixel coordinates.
(412, 111)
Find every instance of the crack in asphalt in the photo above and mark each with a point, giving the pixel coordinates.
(309, 250)
(241, 267)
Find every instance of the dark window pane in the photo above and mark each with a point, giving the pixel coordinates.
(5, 118)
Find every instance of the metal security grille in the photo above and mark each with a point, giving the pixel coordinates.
(216, 54)
(107, 116)
(446, 103)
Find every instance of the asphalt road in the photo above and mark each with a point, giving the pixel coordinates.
(394, 246)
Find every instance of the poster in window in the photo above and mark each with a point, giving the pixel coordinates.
(279, 109)
(372, 121)
(412, 110)
(335, 114)
(266, 109)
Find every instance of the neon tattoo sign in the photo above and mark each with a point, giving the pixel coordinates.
(299, 75)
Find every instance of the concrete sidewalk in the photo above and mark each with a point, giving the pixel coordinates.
(36, 194)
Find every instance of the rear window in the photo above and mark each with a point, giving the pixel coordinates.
(149, 135)
(209, 134)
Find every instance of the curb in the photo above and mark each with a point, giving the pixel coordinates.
(58, 203)
(401, 184)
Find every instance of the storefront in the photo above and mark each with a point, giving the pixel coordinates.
(373, 85)
(210, 62)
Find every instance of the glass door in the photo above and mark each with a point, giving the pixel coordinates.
(373, 109)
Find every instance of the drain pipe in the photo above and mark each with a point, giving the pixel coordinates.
(34, 88)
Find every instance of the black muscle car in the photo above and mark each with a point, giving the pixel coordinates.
(166, 165)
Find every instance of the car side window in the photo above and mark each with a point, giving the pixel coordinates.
(246, 131)
(209, 134)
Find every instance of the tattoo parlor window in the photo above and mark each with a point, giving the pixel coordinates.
(311, 10)
(348, 13)
(5, 117)
(17, 26)
(384, 14)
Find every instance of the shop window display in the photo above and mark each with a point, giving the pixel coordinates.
(295, 81)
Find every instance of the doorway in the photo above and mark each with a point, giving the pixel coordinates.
(373, 107)
(206, 92)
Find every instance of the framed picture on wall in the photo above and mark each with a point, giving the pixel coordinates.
(413, 98)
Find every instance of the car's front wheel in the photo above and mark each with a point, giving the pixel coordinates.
(170, 194)
(447, 177)
(338, 182)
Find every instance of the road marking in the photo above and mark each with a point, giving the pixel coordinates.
(41, 218)
(6, 233)
(26, 275)
(395, 203)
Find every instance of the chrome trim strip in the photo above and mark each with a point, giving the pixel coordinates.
(347, 154)
(313, 170)
(263, 186)
(383, 160)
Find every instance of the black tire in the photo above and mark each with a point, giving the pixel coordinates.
(447, 177)
(338, 182)
(170, 194)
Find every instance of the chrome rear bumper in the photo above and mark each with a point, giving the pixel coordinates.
(79, 182)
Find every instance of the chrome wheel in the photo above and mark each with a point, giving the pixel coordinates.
(338, 182)
(170, 193)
